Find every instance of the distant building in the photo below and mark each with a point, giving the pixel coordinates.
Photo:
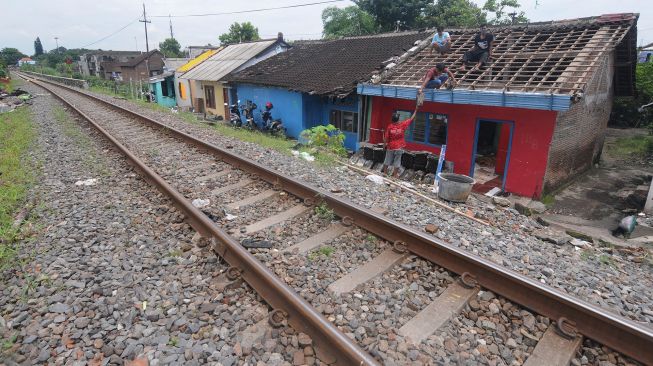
(136, 68)
(194, 51)
(163, 85)
(91, 63)
(26, 61)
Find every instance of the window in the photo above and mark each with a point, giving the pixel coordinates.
(164, 89)
(344, 121)
(209, 95)
(427, 128)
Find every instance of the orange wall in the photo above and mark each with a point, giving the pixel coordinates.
(531, 139)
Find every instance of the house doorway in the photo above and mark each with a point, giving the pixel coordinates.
(491, 154)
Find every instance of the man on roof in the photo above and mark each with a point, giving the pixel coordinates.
(436, 77)
(482, 50)
(441, 41)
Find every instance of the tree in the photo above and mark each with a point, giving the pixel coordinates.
(453, 13)
(501, 15)
(349, 21)
(170, 48)
(243, 32)
(10, 56)
(38, 47)
(387, 13)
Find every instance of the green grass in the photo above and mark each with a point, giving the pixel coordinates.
(326, 250)
(17, 134)
(548, 199)
(276, 143)
(632, 146)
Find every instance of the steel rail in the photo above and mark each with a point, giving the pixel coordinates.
(333, 346)
(622, 335)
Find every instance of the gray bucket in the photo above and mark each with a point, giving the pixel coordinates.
(455, 187)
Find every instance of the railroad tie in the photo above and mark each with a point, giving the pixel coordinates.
(437, 313)
(204, 178)
(318, 239)
(553, 349)
(273, 220)
(250, 200)
(242, 183)
(381, 263)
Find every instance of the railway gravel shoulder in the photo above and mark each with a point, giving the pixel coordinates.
(114, 275)
(601, 275)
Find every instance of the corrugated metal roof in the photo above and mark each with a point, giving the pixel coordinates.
(227, 60)
(197, 60)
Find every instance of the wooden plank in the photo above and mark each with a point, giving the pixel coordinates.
(384, 261)
(553, 350)
(253, 199)
(273, 220)
(318, 239)
(438, 313)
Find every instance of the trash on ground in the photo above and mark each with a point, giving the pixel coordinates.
(307, 156)
(375, 178)
(87, 182)
(230, 217)
(199, 203)
(406, 184)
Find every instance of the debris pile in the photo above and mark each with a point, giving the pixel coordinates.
(10, 101)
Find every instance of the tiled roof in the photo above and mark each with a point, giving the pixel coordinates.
(138, 59)
(228, 60)
(550, 57)
(174, 63)
(329, 67)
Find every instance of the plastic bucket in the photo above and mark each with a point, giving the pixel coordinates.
(455, 187)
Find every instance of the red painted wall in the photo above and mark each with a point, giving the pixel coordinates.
(531, 139)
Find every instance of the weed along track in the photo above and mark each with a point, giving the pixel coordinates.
(367, 290)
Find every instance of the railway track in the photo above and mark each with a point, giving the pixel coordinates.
(251, 205)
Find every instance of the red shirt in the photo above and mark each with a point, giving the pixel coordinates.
(394, 134)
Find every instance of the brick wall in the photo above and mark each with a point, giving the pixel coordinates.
(579, 132)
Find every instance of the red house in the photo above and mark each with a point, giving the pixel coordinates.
(529, 121)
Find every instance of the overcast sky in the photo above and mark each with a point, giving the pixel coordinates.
(80, 23)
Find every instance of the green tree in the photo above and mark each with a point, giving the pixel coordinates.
(38, 47)
(170, 48)
(240, 32)
(345, 22)
(453, 13)
(505, 12)
(387, 13)
(10, 56)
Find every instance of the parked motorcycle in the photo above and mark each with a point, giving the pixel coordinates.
(248, 111)
(271, 125)
(234, 115)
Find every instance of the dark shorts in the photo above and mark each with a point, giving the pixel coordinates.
(393, 158)
(437, 82)
(476, 55)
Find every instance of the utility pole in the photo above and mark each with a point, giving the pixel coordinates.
(147, 45)
(56, 39)
(172, 35)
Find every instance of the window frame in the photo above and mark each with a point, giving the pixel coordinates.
(427, 128)
(338, 123)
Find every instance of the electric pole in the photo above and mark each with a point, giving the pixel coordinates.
(171, 34)
(147, 44)
(56, 39)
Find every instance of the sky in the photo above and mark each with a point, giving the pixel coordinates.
(83, 23)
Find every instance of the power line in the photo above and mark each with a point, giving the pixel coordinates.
(248, 11)
(112, 34)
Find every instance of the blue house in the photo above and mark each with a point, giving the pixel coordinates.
(314, 83)
(163, 88)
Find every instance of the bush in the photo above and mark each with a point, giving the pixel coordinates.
(325, 137)
(625, 110)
